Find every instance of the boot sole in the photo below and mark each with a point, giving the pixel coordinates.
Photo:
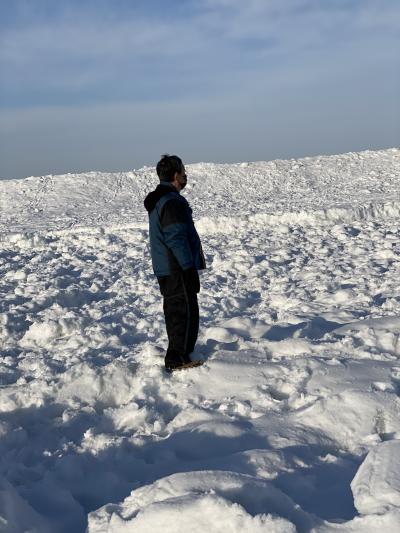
(192, 364)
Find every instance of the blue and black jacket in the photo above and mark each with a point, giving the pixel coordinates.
(174, 242)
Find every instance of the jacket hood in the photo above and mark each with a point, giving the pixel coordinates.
(153, 197)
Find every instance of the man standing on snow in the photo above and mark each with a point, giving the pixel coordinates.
(177, 256)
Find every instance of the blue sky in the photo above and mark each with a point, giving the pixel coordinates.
(112, 84)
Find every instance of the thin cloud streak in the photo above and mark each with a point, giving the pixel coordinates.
(223, 36)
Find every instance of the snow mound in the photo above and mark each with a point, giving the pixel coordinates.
(376, 486)
(220, 334)
(343, 188)
(197, 502)
(381, 333)
(111, 385)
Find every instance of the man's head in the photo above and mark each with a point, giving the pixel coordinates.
(170, 168)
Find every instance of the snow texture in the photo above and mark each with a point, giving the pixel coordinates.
(376, 486)
(292, 423)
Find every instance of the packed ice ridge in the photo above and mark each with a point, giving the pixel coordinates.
(292, 423)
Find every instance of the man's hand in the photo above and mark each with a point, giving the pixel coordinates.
(191, 279)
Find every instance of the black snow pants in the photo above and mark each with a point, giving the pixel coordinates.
(181, 313)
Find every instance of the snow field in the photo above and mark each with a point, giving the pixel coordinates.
(293, 423)
(344, 187)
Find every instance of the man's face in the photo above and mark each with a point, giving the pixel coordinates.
(181, 178)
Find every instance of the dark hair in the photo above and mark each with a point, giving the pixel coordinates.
(168, 166)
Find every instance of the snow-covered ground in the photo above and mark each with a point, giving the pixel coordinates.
(292, 423)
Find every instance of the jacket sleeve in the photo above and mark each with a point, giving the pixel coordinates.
(175, 229)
